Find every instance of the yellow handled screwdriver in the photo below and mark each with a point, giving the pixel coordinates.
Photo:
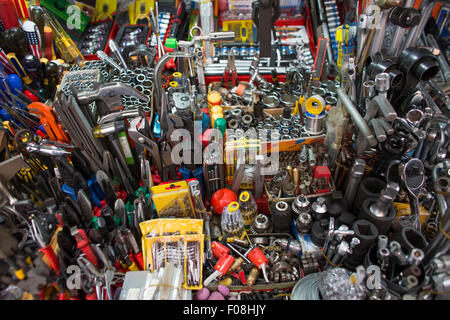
(18, 68)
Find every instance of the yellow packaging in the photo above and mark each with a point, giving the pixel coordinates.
(243, 29)
(404, 209)
(173, 200)
(159, 227)
(162, 237)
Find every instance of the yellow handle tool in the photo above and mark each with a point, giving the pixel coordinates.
(18, 68)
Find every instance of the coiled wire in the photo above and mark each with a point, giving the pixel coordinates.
(306, 288)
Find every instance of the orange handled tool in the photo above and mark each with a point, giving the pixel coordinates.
(47, 250)
(83, 244)
(49, 52)
(51, 257)
(49, 120)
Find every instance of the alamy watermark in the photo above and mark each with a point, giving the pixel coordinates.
(238, 147)
(74, 19)
(372, 277)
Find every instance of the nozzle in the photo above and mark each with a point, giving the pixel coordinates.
(263, 268)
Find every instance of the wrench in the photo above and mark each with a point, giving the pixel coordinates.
(413, 178)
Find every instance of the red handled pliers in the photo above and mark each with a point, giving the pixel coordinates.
(47, 250)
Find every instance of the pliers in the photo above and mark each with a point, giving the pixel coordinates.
(47, 250)
(230, 71)
(138, 128)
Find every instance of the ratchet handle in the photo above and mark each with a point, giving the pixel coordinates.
(51, 257)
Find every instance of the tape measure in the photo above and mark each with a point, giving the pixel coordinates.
(315, 104)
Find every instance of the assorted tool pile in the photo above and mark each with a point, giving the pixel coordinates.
(286, 151)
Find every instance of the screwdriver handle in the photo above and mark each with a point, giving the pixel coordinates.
(51, 257)
(18, 68)
(49, 52)
(8, 15)
(33, 38)
(21, 9)
(5, 62)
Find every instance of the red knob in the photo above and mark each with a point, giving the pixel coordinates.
(218, 249)
(221, 198)
(257, 257)
(224, 264)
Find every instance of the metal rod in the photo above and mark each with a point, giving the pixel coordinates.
(357, 118)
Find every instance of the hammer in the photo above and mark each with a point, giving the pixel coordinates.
(108, 96)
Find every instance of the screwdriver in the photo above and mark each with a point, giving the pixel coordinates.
(52, 73)
(66, 46)
(37, 16)
(8, 14)
(177, 21)
(21, 9)
(15, 85)
(15, 40)
(32, 66)
(18, 68)
(49, 50)
(33, 38)
(44, 62)
(5, 62)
